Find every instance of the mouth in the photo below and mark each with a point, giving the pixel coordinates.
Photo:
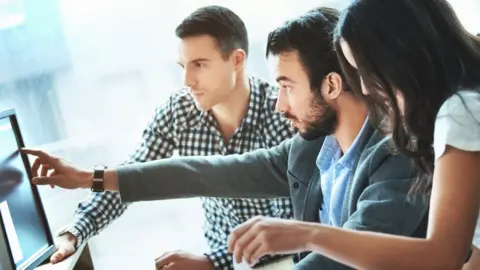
(196, 94)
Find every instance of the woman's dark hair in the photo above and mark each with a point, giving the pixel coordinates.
(416, 48)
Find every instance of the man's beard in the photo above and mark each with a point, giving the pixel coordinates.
(320, 122)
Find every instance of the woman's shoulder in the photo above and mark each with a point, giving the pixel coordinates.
(458, 123)
(460, 105)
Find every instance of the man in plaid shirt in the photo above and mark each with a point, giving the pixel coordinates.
(220, 111)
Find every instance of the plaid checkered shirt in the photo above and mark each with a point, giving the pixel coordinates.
(179, 125)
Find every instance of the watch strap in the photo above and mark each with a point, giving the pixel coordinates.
(98, 177)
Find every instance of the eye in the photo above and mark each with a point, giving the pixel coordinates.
(199, 65)
(285, 87)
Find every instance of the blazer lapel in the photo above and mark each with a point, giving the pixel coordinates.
(353, 186)
(314, 198)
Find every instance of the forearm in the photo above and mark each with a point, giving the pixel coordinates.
(367, 250)
(94, 214)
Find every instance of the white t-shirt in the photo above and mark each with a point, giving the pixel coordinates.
(458, 125)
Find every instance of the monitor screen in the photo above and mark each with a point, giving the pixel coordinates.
(23, 217)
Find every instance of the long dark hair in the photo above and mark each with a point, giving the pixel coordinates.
(417, 48)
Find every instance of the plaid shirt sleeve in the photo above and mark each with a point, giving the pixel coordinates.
(220, 258)
(99, 209)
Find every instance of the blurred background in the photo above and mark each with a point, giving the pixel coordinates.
(85, 76)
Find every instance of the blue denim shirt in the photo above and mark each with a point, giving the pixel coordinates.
(335, 171)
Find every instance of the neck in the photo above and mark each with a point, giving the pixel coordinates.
(351, 117)
(230, 113)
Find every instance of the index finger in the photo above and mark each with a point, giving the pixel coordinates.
(34, 152)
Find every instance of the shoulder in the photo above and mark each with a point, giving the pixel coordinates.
(458, 123)
(381, 161)
(302, 154)
(462, 105)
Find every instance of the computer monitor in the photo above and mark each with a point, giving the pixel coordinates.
(24, 224)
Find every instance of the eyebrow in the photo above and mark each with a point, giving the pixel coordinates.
(285, 78)
(195, 61)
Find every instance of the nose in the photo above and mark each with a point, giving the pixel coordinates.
(282, 104)
(188, 78)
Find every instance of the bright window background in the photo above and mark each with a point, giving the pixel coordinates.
(87, 78)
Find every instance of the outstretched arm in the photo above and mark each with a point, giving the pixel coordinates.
(261, 173)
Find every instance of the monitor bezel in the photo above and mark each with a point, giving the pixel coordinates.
(42, 256)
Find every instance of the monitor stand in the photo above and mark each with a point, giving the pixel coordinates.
(80, 260)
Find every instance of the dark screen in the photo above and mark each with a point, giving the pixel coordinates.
(23, 224)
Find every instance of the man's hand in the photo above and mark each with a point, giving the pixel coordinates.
(262, 236)
(65, 247)
(56, 171)
(180, 260)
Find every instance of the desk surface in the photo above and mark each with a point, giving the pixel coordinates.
(69, 263)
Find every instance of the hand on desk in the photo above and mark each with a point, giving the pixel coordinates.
(180, 260)
(65, 247)
(262, 236)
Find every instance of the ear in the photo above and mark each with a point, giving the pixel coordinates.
(334, 85)
(239, 59)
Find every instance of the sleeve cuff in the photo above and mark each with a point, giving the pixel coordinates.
(74, 231)
(221, 259)
(77, 234)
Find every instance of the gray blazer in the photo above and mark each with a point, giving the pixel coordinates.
(376, 197)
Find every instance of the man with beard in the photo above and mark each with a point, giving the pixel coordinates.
(337, 171)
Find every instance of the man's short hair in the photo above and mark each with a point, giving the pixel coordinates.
(311, 35)
(219, 22)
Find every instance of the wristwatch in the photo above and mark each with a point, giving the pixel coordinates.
(98, 173)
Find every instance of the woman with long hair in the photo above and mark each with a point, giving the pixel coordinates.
(420, 68)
